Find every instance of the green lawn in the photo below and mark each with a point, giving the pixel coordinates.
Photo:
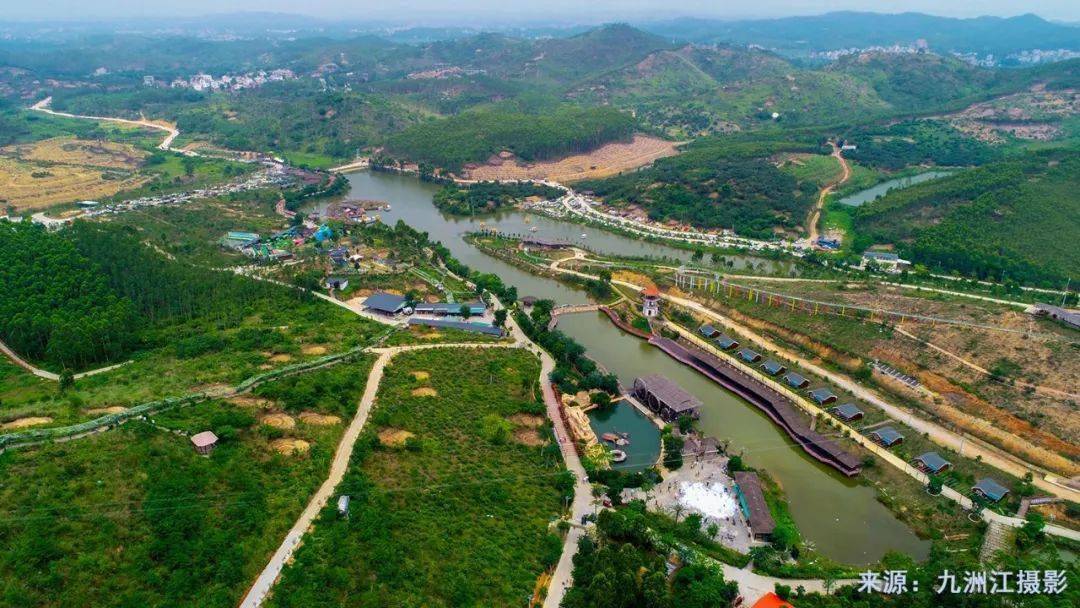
(458, 516)
(134, 517)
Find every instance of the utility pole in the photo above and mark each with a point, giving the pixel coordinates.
(1065, 295)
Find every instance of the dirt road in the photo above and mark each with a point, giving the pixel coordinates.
(815, 213)
(936, 433)
(171, 132)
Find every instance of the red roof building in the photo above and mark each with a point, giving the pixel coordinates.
(771, 600)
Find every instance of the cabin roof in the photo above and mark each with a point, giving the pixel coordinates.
(992, 489)
(933, 461)
(847, 410)
(887, 435)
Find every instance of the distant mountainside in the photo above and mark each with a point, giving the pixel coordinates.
(840, 30)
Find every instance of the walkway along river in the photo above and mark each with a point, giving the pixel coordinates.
(842, 518)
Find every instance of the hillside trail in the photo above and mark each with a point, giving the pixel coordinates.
(171, 132)
(815, 213)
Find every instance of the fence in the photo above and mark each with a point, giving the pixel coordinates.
(23, 438)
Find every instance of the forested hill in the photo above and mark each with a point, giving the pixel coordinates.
(1015, 218)
(84, 295)
(842, 30)
(474, 136)
(720, 182)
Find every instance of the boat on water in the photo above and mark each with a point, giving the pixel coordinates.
(618, 455)
(533, 229)
(584, 236)
(616, 438)
(611, 437)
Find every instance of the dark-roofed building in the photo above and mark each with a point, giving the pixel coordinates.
(542, 243)
(386, 303)
(822, 396)
(773, 368)
(726, 342)
(847, 412)
(708, 331)
(481, 328)
(989, 489)
(528, 301)
(931, 462)
(887, 436)
(664, 397)
(749, 356)
(796, 381)
(753, 505)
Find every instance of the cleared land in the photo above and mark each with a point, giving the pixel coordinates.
(609, 159)
(1031, 351)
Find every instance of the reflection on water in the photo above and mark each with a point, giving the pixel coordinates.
(841, 518)
(865, 196)
(621, 417)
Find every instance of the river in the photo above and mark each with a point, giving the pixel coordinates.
(865, 196)
(843, 519)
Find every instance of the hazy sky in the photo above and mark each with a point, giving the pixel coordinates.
(464, 11)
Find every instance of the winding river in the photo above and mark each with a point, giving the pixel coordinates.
(865, 196)
(840, 517)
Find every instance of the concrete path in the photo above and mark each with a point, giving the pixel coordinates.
(269, 575)
(41, 373)
(752, 585)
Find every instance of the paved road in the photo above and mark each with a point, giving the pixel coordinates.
(936, 433)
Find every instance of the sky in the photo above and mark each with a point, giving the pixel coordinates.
(464, 12)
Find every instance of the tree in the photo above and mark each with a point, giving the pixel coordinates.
(67, 380)
(464, 311)
(500, 317)
(1032, 531)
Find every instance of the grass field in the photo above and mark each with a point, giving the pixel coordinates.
(817, 168)
(134, 517)
(189, 357)
(31, 186)
(458, 515)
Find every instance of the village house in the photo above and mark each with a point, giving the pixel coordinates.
(386, 303)
(726, 342)
(773, 368)
(753, 505)
(822, 396)
(884, 260)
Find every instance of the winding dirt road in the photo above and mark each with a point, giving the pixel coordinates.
(171, 132)
(815, 214)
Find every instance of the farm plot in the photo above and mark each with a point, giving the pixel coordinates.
(65, 169)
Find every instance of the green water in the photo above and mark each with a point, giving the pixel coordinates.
(865, 196)
(644, 447)
(840, 517)
(843, 519)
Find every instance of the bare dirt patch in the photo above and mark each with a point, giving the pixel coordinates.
(22, 423)
(420, 375)
(530, 437)
(604, 161)
(216, 389)
(112, 409)
(394, 438)
(531, 421)
(316, 419)
(288, 446)
(251, 401)
(314, 350)
(279, 421)
(424, 392)
(281, 358)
